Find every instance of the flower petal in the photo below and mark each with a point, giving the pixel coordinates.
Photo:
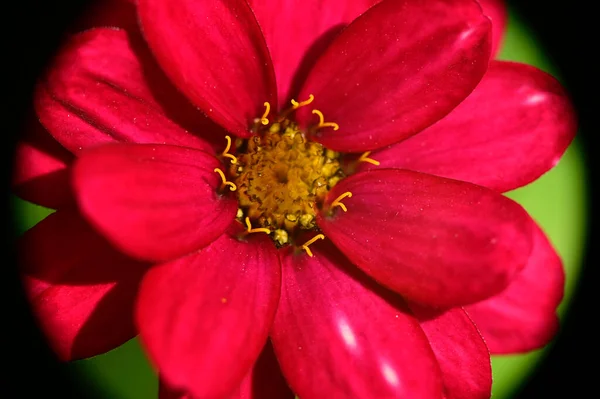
(436, 241)
(523, 317)
(154, 202)
(80, 289)
(297, 33)
(338, 334)
(263, 381)
(222, 65)
(460, 352)
(101, 88)
(109, 13)
(496, 10)
(40, 171)
(204, 318)
(514, 127)
(395, 70)
(166, 392)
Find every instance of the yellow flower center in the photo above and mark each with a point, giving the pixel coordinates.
(281, 178)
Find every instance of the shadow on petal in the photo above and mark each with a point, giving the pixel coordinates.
(111, 322)
(310, 58)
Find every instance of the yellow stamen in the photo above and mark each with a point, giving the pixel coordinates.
(296, 104)
(263, 119)
(322, 122)
(226, 152)
(337, 202)
(365, 158)
(231, 185)
(257, 230)
(307, 243)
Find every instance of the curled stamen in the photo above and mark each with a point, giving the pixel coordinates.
(365, 158)
(337, 202)
(226, 152)
(257, 230)
(322, 122)
(231, 185)
(296, 104)
(307, 243)
(263, 119)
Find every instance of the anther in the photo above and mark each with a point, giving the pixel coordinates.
(365, 158)
(296, 104)
(307, 243)
(231, 185)
(226, 152)
(322, 122)
(337, 202)
(257, 230)
(263, 118)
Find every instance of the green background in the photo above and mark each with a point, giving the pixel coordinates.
(557, 201)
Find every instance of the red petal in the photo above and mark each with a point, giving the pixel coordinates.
(436, 241)
(204, 318)
(398, 68)
(297, 33)
(154, 202)
(109, 13)
(215, 53)
(513, 128)
(166, 392)
(80, 289)
(523, 317)
(264, 381)
(496, 10)
(337, 334)
(101, 88)
(460, 352)
(40, 172)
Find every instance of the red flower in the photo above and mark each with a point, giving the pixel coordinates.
(373, 257)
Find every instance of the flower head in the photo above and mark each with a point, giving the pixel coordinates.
(338, 198)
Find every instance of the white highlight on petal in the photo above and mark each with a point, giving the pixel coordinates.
(389, 374)
(465, 35)
(346, 333)
(535, 99)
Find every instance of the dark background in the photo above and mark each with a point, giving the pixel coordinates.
(567, 30)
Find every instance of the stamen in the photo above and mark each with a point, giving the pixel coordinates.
(257, 230)
(263, 118)
(307, 243)
(337, 202)
(296, 104)
(365, 158)
(322, 122)
(226, 152)
(231, 185)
